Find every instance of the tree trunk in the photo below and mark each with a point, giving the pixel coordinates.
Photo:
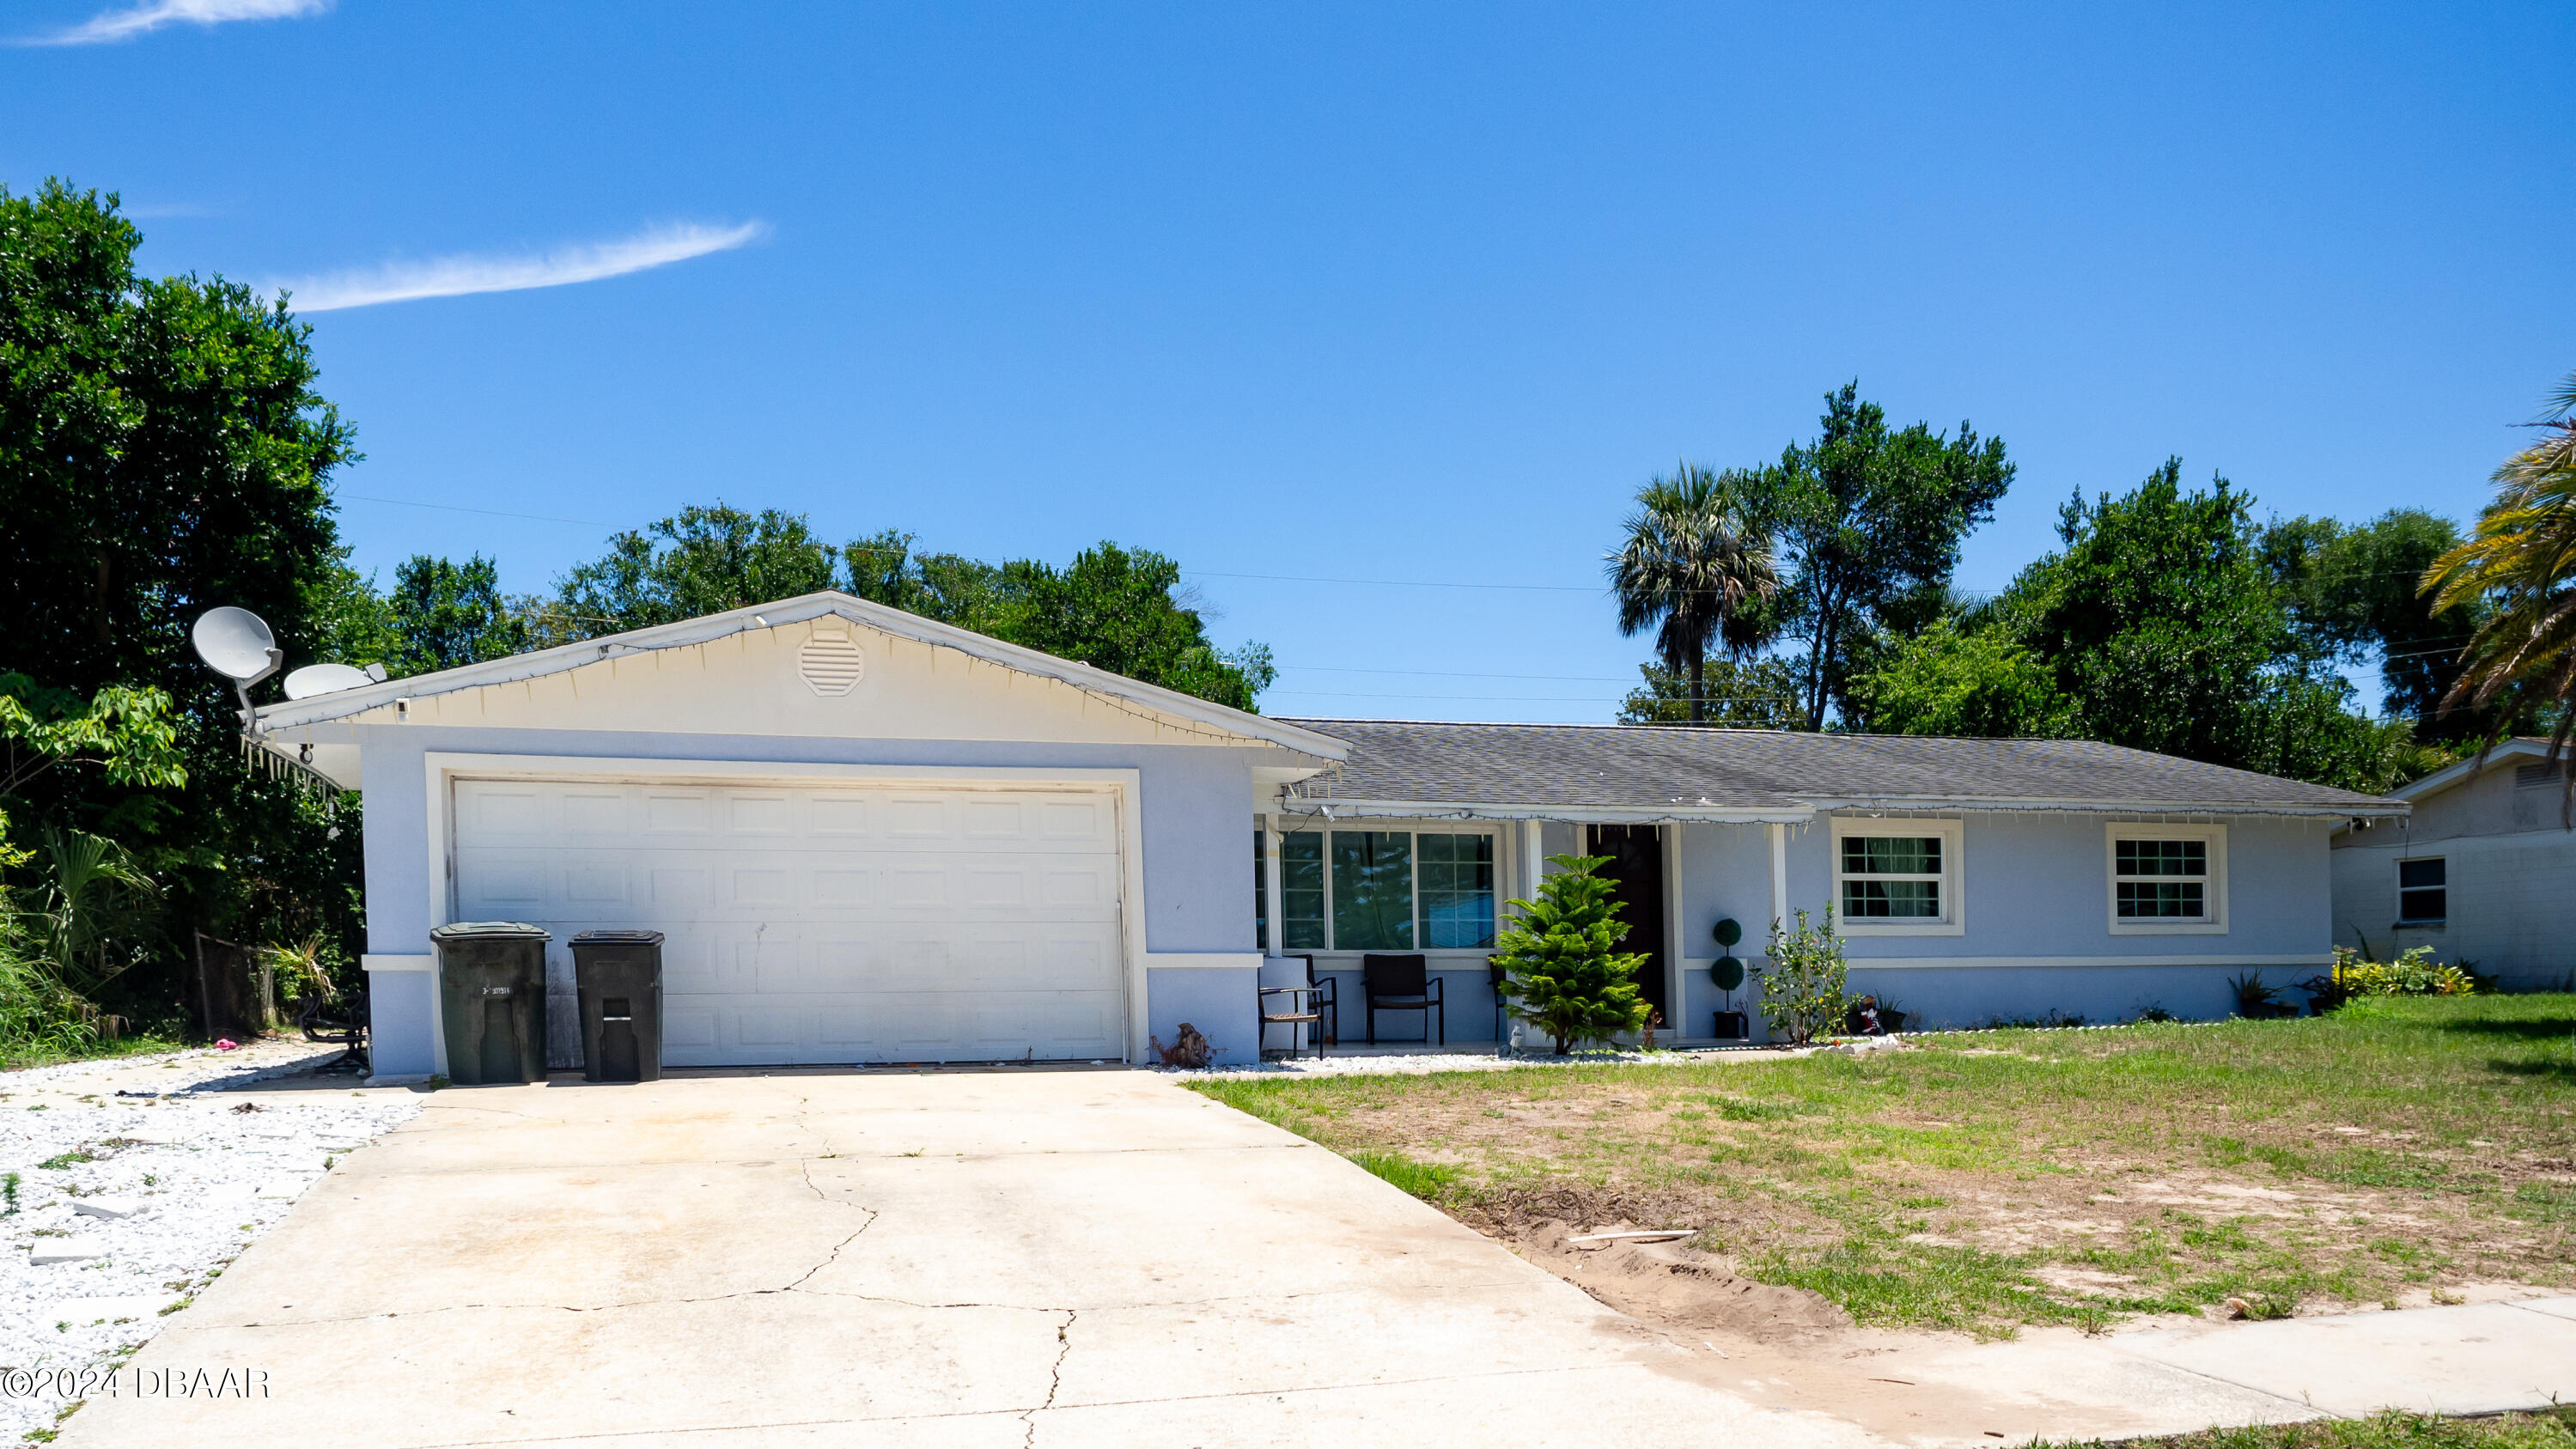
(1699, 685)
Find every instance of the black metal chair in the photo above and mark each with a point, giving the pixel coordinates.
(1403, 983)
(1502, 1004)
(1308, 1006)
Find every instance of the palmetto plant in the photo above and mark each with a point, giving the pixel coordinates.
(1694, 559)
(93, 900)
(2522, 560)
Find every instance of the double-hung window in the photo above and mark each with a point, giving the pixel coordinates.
(1897, 877)
(2424, 891)
(1386, 890)
(2167, 879)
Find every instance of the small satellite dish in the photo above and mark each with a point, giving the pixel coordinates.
(315, 679)
(237, 644)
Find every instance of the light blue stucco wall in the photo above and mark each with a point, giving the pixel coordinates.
(2033, 886)
(1193, 806)
(1221, 1001)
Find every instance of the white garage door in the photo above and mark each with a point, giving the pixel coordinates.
(823, 924)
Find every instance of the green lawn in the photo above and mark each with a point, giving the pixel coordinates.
(2555, 1430)
(2386, 1153)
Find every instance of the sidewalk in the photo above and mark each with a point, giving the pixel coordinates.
(2482, 1358)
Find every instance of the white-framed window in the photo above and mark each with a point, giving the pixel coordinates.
(1898, 878)
(2166, 880)
(1386, 890)
(2424, 891)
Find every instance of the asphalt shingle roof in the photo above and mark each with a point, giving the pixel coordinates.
(1647, 767)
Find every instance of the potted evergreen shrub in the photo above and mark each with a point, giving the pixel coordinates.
(1561, 962)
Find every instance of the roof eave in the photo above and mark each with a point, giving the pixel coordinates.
(2361, 808)
(1345, 809)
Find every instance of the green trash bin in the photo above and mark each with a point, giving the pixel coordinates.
(619, 977)
(492, 1000)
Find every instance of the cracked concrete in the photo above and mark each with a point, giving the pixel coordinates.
(1012, 1258)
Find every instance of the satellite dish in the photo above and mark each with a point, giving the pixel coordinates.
(237, 643)
(315, 679)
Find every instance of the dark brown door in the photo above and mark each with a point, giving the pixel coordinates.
(1637, 866)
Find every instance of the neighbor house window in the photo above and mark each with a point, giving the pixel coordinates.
(1897, 877)
(1386, 890)
(2424, 890)
(2167, 878)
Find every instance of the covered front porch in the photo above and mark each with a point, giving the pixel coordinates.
(1337, 882)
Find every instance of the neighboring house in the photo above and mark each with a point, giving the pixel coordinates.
(2483, 870)
(871, 837)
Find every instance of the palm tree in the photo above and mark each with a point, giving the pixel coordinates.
(1696, 554)
(2522, 560)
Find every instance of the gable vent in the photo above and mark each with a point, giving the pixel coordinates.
(831, 664)
(2532, 777)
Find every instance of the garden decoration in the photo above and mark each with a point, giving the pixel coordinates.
(1728, 974)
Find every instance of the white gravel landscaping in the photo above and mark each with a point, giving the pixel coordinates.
(176, 1184)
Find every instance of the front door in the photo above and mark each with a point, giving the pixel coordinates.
(1637, 867)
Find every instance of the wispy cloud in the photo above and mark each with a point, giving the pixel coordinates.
(116, 25)
(459, 276)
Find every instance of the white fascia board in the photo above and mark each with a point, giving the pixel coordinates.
(1572, 814)
(2391, 809)
(518, 667)
(2460, 770)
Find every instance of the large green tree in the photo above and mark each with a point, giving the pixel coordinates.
(702, 560)
(2356, 591)
(1754, 694)
(1871, 518)
(163, 449)
(2157, 626)
(1120, 609)
(1123, 610)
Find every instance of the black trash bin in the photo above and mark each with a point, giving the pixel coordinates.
(492, 1000)
(619, 976)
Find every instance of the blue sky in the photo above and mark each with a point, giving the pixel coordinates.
(1361, 292)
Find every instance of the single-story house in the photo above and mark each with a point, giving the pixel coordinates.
(870, 837)
(2483, 870)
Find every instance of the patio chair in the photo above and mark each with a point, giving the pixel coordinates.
(1403, 983)
(1298, 1006)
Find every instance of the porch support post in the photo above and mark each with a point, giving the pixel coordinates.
(1271, 879)
(1779, 871)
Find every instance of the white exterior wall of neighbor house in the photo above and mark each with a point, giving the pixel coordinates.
(2509, 875)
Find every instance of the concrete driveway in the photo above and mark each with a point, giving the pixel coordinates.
(996, 1258)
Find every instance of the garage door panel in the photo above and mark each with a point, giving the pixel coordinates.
(820, 924)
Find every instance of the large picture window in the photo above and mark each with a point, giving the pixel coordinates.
(1386, 890)
(2167, 879)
